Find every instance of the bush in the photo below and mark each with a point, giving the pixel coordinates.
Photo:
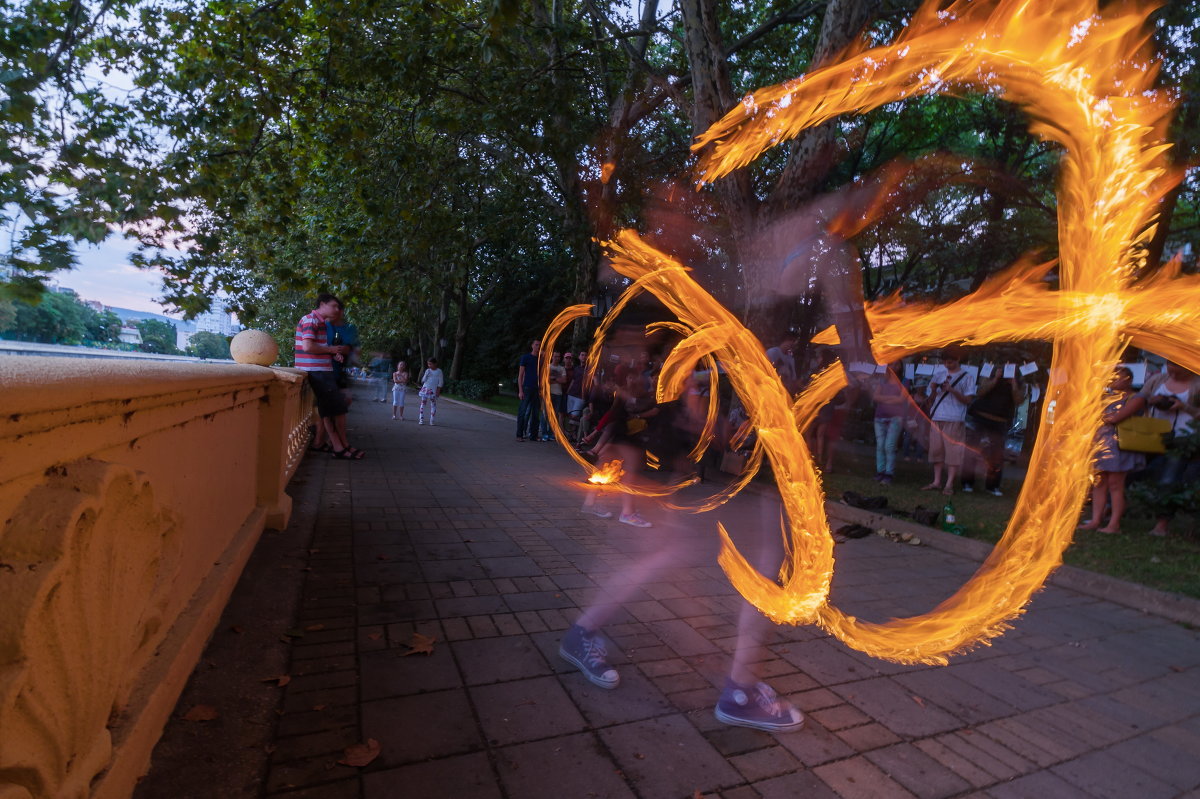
(470, 389)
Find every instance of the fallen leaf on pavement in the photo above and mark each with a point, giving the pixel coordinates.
(374, 636)
(360, 754)
(281, 680)
(918, 700)
(420, 643)
(201, 713)
(312, 628)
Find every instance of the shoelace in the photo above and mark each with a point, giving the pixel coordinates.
(594, 652)
(767, 699)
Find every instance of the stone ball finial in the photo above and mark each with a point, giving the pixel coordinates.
(255, 347)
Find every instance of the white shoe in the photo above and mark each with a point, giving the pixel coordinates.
(995, 492)
(968, 489)
(420, 421)
(633, 520)
(596, 510)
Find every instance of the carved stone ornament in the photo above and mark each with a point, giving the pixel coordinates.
(87, 562)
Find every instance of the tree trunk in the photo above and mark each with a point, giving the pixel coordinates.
(815, 151)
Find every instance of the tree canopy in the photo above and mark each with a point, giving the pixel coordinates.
(448, 167)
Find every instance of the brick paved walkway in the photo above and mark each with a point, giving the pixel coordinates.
(458, 533)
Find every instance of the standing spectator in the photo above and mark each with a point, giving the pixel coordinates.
(891, 406)
(1112, 463)
(400, 380)
(431, 389)
(554, 403)
(315, 356)
(950, 391)
(988, 421)
(783, 358)
(529, 394)
(1174, 395)
(337, 333)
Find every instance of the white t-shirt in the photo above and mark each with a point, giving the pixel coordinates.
(432, 380)
(1181, 422)
(948, 408)
(557, 372)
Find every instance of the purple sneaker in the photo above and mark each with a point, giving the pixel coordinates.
(757, 706)
(586, 651)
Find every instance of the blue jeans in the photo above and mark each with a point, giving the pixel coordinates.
(528, 414)
(887, 436)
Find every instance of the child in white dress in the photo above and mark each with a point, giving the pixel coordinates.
(399, 389)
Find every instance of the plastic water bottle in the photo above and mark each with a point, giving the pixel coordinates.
(949, 521)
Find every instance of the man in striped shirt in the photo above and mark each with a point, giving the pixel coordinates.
(315, 356)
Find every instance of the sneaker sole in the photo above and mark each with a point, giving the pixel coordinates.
(725, 718)
(597, 681)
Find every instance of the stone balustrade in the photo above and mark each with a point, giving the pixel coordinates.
(132, 494)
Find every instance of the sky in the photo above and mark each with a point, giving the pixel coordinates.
(105, 274)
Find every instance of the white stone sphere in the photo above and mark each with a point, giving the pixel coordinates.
(254, 346)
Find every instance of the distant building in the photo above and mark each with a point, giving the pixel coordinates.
(217, 319)
(130, 334)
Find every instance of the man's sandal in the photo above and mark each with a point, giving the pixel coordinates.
(349, 454)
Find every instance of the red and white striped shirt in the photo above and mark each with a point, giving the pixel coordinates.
(312, 328)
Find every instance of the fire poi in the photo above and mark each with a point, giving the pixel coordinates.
(1087, 80)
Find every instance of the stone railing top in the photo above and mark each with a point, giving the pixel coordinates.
(30, 384)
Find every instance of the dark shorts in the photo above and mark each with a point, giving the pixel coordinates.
(330, 401)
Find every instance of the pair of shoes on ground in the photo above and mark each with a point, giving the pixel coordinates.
(349, 454)
(884, 478)
(756, 706)
(632, 519)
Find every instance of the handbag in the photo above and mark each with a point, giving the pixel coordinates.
(1143, 434)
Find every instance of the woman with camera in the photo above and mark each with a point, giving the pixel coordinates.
(1174, 395)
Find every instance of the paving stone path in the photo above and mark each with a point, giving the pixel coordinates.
(458, 533)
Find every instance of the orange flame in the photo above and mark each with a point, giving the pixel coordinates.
(1086, 79)
(609, 473)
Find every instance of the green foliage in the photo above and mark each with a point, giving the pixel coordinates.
(158, 336)
(437, 164)
(79, 157)
(54, 318)
(104, 328)
(205, 344)
(478, 390)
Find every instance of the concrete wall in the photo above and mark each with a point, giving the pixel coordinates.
(131, 493)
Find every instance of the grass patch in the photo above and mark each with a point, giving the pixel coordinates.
(506, 403)
(1168, 564)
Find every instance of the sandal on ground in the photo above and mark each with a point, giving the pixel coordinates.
(350, 454)
(930, 487)
(948, 492)
(1109, 532)
(1088, 526)
(322, 448)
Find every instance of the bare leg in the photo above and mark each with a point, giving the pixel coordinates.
(1099, 499)
(1116, 491)
(340, 422)
(937, 478)
(951, 477)
(331, 432)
